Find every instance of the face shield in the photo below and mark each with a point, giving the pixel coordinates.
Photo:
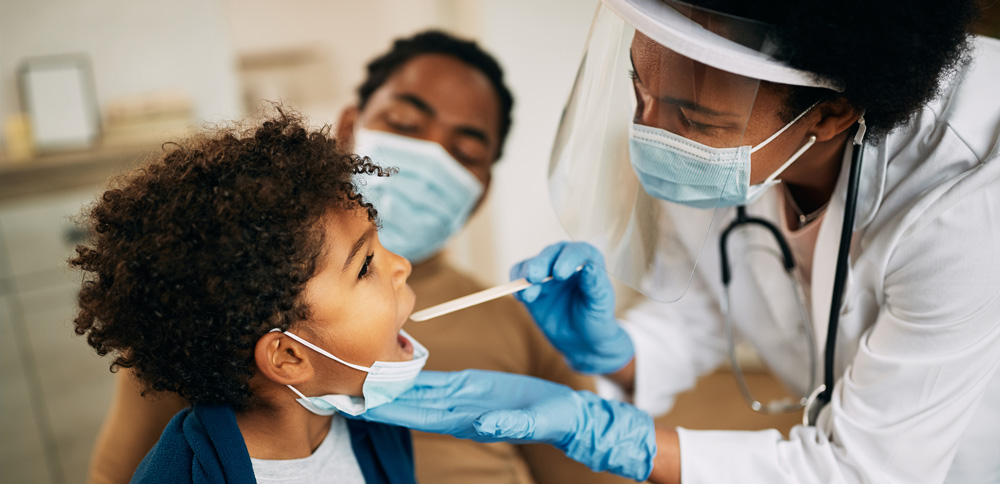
(657, 135)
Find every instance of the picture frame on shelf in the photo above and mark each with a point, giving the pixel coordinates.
(58, 95)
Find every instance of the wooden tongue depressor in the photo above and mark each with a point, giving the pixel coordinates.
(473, 299)
(476, 298)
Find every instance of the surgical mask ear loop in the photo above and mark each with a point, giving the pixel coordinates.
(298, 392)
(782, 130)
(323, 352)
(796, 155)
(320, 351)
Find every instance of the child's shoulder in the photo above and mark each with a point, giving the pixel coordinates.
(202, 444)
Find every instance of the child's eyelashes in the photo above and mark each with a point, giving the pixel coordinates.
(365, 270)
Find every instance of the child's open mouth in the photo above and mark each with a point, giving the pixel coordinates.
(405, 344)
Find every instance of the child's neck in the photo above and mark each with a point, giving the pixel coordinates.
(282, 430)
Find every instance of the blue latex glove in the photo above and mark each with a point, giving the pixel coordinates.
(489, 406)
(576, 310)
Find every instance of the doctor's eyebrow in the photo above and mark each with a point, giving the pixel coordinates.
(357, 247)
(684, 103)
(698, 108)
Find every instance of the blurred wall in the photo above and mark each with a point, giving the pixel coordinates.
(134, 48)
(54, 389)
(540, 45)
(332, 40)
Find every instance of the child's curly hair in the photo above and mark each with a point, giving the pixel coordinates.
(198, 254)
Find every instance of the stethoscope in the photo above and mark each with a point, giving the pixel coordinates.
(821, 394)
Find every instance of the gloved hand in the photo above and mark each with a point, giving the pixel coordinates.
(488, 406)
(576, 310)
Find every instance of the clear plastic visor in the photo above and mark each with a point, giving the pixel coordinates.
(654, 143)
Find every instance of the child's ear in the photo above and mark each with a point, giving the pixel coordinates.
(282, 359)
(345, 127)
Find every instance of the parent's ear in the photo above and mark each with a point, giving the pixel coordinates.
(835, 117)
(282, 359)
(345, 127)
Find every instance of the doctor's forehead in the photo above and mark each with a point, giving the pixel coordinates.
(666, 72)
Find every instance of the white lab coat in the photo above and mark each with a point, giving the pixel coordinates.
(917, 397)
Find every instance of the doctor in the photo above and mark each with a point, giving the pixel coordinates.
(868, 279)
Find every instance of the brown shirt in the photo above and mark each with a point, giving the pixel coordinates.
(501, 336)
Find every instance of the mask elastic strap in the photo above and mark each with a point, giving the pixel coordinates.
(782, 130)
(795, 156)
(323, 352)
(298, 392)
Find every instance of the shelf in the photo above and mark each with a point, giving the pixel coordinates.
(50, 173)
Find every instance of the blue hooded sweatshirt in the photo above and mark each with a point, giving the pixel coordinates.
(203, 444)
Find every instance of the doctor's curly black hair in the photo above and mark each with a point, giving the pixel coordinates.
(196, 255)
(891, 56)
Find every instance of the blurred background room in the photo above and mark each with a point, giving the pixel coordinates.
(90, 88)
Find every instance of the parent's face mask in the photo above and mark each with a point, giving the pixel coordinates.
(426, 202)
(385, 381)
(674, 168)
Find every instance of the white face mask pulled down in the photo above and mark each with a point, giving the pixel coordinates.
(385, 381)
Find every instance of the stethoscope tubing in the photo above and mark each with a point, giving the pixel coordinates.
(840, 276)
(822, 395)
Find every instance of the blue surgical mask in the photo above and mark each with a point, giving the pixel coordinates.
(385, 381)
(426, 202)
(673, 168)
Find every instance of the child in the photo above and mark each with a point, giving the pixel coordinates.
(242, 271)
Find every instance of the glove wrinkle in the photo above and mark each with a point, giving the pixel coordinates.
(620, 437)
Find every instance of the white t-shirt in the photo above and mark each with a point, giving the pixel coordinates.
(333, 462)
